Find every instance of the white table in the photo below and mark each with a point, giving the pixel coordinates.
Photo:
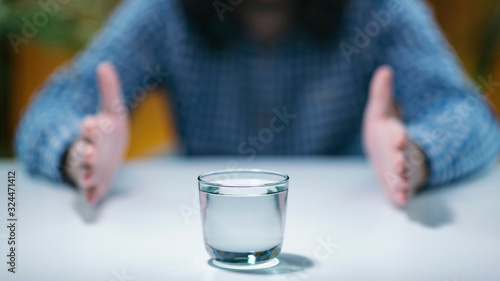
(340, 226)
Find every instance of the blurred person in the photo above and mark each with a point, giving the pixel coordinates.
(268, 77)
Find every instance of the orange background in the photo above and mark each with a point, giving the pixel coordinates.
(463, 21)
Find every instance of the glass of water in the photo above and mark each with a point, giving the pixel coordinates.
(243, 217)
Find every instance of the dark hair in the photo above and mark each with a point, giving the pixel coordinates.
(321, 18)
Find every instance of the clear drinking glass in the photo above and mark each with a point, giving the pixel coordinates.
(243, 217)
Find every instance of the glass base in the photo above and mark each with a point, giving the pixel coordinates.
(246, 266)
(244, 260)
(252, 257)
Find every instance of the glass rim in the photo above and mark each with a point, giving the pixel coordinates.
(243, 171)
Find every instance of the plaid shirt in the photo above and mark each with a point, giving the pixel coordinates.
(299, 98)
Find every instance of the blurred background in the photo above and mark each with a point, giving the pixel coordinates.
(472, 27)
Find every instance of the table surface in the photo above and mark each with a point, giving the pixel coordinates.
(340, 226)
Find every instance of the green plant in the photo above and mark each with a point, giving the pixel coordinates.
(62, 23)
(68, 24)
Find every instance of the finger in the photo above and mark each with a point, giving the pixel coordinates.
(88, 177)
(401, 198)
(380, 99)
(84, 152)
(397, 190)
(90, 156)
(88, 129)
(91, 195)
(73, 164)
(394, 181)
(399, 163)
(109, 88)
(399, 135)
(75, 158)
(86, 174)
(402, 184)
(87, 170)
(82, 155)
(85, 177)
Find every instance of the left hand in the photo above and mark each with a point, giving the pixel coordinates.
(399, 163)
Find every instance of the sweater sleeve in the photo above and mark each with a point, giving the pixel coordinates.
(445, 115)
(132, 41)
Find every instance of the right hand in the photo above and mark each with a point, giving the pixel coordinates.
(93, 158)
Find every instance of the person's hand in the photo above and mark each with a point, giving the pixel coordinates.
(399, 163)
(93, 158)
